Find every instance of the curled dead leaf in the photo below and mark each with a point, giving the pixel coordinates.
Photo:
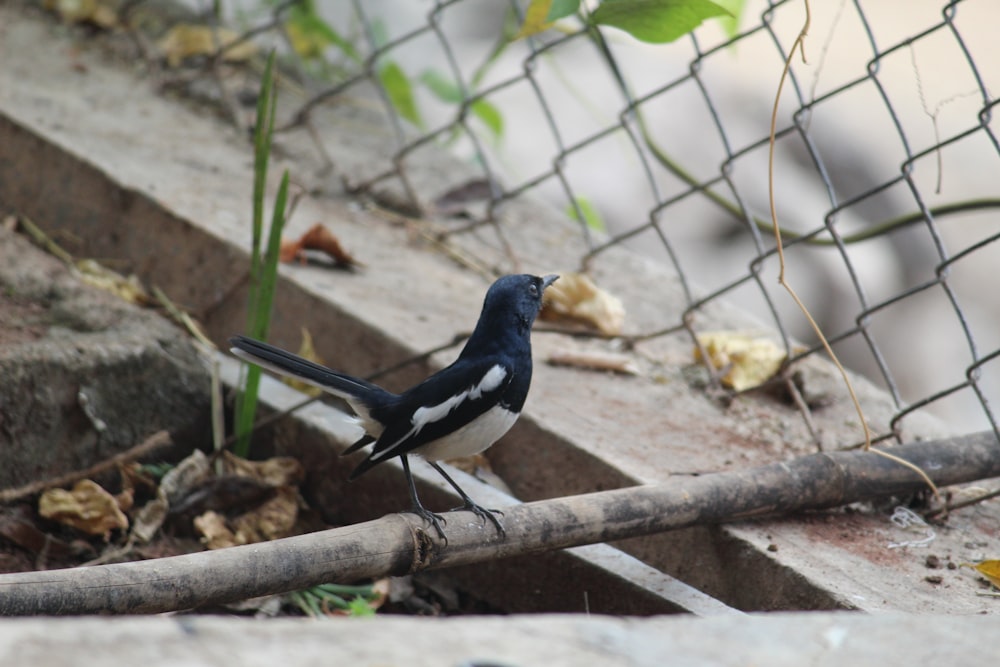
(215, 534)
(746, 361)
(187, 474)
(101, 13)
(271, 520)
(187, 40)
(275, 472)
(321, 239)
(147, 521)
(86, 507)
(223, 493)
(575, 296)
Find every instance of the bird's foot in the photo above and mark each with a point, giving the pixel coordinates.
(435, 520)
(484, 513)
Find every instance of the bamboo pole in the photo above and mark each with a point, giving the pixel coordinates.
(400, 543)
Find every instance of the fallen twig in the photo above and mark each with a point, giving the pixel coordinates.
(147, 446)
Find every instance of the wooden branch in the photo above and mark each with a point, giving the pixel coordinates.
(398, 544)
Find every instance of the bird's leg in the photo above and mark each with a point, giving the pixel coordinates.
(471, 505)
(430, 517)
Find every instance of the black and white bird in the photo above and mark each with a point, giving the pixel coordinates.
(459, 411)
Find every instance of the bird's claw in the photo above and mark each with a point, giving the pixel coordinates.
(435, 520)
(484, 513)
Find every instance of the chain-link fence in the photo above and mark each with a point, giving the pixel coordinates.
(887, 161)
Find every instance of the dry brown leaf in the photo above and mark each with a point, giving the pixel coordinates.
(215, 534)
(321, 239)
(19, 526)
(275, 472)
(86, 507)
(747, 361)
(271, 520)
(289, 251)
(125, 499)
(306, 351)
(186, 40)
(99, 12)
(150, 517)
(989, 569)
(186, 475)
(575, 296)
(596, 361)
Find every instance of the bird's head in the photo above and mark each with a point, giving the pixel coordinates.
(517, 296)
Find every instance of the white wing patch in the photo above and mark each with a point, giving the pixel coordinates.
(493, 379)
(429, 414)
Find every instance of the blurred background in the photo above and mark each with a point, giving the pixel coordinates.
(886, 172)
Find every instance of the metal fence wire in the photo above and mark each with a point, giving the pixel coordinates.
(887, 173)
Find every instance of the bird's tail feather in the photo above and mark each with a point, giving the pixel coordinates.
(285, 363)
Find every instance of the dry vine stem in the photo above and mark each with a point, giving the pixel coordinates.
(400, 543)
(799, 45)
(154, 442)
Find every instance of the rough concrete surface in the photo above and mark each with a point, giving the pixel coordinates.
(165, 190)
(779, 640)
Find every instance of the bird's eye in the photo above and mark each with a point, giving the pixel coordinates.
(533, 289)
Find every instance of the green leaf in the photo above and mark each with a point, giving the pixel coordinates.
(443, 88)
(360, 607)
(489, 115)
(561, 9)
(380, 34)
(731, 24)
(397, 87)
(309, 34)
(655, 21)
(591, 217)
(448, 91)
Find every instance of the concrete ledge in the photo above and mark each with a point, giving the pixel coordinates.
(779, 640)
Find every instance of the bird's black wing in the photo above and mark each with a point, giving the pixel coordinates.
(440, 405)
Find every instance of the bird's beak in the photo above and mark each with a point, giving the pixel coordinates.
(548, 280)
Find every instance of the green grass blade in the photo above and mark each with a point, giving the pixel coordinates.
(263, 268)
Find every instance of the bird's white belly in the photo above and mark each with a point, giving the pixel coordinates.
(472, 438)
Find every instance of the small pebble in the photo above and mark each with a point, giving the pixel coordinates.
(772, 547)
(934, 579)
(933, 562)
